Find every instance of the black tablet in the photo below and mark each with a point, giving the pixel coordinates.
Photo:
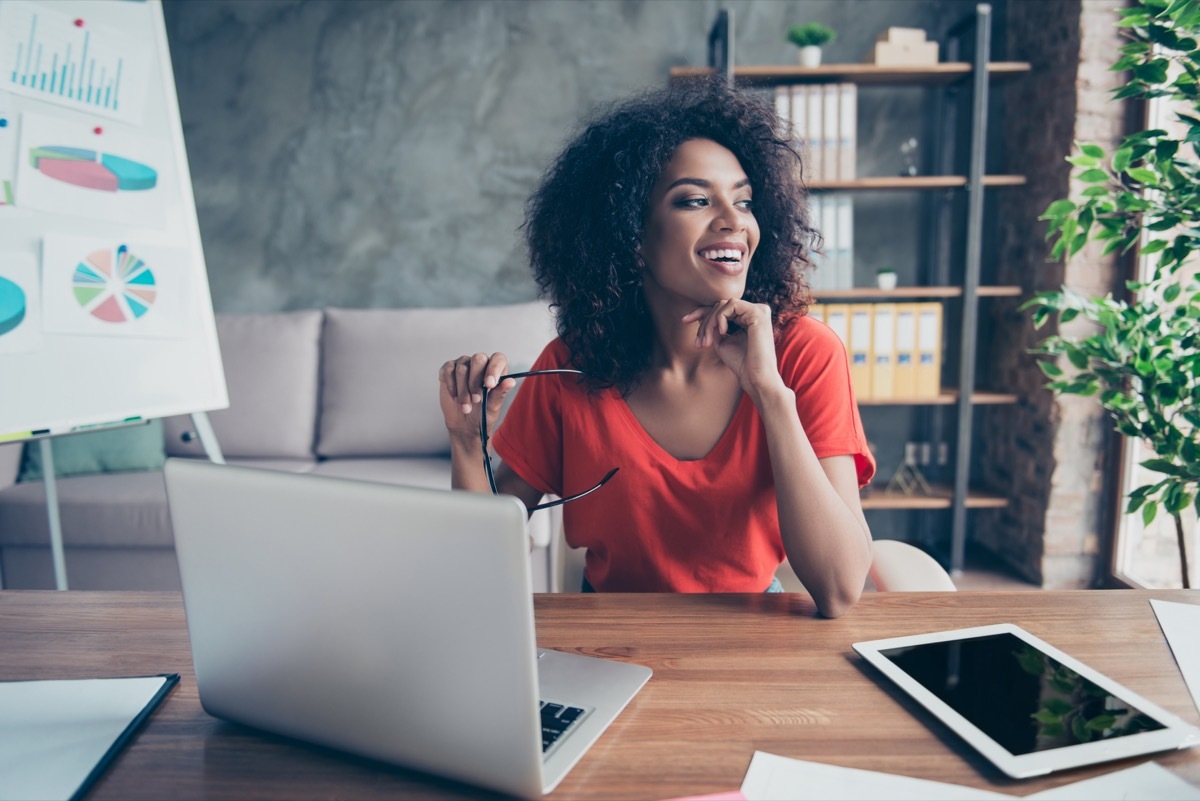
(1026, 706)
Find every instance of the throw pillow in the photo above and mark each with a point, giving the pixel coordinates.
(106, 451)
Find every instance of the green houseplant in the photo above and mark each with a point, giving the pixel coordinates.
(809, 38)
(1142, 358)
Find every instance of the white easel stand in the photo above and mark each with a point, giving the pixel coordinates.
(208, 439)
(56, 545)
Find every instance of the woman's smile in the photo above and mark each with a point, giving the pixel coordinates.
(729, 258)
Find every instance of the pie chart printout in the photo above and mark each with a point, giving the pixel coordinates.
(114, 285)
(91, 169)
(12, 306)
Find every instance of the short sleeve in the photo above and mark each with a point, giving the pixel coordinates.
(529, 438)
(812, 361)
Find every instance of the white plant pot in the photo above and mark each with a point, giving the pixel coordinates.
(810, 56)
(886, 281)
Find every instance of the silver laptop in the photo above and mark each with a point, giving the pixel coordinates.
(391, 622)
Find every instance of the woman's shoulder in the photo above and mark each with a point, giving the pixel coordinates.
(554, 355)
(800, 332)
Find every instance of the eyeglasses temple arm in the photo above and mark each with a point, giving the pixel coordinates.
(561, 501)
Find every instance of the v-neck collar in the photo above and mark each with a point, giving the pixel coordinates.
(723, 444)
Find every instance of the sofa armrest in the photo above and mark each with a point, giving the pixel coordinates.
(10, 463)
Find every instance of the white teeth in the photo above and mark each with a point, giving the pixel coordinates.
(727, 253)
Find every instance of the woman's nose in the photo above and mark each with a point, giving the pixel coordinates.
(725, 217)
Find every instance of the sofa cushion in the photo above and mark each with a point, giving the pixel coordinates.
(430, 472)
(271, 369)
(105, 510)
(116, 450)
(379, 371)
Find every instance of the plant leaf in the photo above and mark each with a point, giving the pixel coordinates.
(1051, 369)
(1060, 207)
(1139, 174)
(1120, 159)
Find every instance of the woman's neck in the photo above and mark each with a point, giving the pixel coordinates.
(674, 349)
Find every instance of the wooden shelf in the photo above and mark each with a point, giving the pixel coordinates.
(947, 397)
(939, 498)
(914, 292)
(862, 74)
(916, 182)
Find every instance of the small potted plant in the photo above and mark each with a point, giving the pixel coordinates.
(885, 279)
(809, 38)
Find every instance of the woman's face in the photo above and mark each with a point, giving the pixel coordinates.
(700, 231)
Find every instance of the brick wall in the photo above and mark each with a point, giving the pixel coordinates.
(1052, 452)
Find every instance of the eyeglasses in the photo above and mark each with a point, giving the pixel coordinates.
(487, 459)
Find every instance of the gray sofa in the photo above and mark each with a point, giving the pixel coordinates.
(338, 392)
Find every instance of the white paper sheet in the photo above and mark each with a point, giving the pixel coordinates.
(1180, 624)
(20, 303)
(74, 168)
(776, 778)
(68, 60)
(53, 733)
(1146, 782)
(9, 132)
(95, 286)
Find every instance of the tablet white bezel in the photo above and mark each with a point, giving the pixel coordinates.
(1177, 734)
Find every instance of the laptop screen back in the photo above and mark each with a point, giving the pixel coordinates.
(391, 622)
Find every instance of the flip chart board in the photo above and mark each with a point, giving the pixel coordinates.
(105, 311)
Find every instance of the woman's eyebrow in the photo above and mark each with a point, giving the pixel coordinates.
(704, 184)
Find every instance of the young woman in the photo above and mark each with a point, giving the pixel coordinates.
(671, 237)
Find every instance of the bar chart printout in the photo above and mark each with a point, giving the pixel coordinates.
(61, 59)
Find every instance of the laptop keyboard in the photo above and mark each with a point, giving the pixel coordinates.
(556, 720)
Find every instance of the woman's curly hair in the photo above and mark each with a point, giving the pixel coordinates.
(584, 222)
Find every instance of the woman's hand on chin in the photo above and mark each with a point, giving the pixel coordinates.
(741, 334)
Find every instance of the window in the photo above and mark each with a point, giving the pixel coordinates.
(1148, 556)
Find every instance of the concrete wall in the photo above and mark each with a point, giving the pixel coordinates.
(379, 153)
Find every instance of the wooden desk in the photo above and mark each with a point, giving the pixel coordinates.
(732, 674)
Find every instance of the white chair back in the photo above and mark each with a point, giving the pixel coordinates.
(896, 567)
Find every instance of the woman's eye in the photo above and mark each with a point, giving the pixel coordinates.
(692, 202)
(747, 203)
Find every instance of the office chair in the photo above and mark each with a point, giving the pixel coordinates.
(900, 567)
(896, 567)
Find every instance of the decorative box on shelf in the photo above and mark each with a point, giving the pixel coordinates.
(903, 47)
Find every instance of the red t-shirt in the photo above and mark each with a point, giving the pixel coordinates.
(665, 525)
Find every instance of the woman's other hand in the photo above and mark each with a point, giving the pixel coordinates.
(461, 392)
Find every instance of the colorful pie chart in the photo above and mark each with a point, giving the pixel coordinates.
(114, 285)
(12, 306)
(91, 169)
